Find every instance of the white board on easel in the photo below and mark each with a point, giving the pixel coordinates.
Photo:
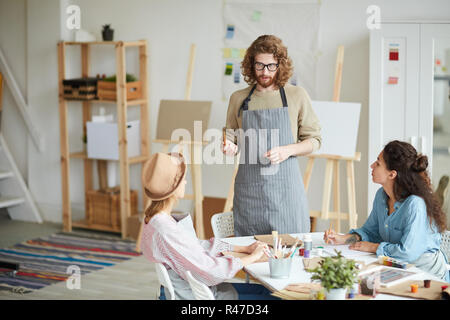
(339, 122)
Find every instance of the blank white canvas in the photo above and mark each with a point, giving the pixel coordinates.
(339, 122)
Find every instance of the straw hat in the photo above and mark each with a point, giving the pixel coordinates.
(162, 174)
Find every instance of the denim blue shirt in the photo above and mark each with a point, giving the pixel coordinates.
(405, 234)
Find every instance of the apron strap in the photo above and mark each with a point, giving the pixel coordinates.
(244, 105)
(283, 97)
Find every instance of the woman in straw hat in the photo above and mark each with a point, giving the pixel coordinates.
(167, 242)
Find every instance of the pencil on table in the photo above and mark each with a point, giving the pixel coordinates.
(275, 241)
(329, 230)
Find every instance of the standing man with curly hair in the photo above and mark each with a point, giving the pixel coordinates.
(276, 123)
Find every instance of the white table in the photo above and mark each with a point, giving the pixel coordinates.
(261, 271)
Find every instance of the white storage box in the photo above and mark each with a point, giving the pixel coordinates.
(103, 141)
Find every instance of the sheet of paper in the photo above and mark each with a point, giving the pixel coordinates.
(346, 252)
(230, 32)
(228, 69)
(286, 239)
(227, 53)
(256, 15)
(242, 255)
(235, 53)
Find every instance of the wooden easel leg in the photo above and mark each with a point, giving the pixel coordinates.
(229, 203)
(308, 172)
(336, 195)
(327, 189)
(198, 195)
(351, 195)
(306, 180)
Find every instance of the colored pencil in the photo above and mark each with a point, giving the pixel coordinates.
(329, 230)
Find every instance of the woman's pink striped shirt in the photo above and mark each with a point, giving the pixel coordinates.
(164, 241)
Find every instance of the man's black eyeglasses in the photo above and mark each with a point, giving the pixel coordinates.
(271, 66)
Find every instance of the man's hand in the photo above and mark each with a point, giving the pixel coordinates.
(278, 154)
(229, 149)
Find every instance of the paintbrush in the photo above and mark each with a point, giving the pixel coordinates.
(224, 136)
(329, 230)
(293, 247)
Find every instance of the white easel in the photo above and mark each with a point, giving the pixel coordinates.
(332, 172)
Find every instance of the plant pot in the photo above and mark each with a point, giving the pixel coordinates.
(108, 34)
(336, 294)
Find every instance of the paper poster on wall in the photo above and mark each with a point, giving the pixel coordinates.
(237, 73)
(256, 16)
(227, 53)
(339, 122)
(393, 51)
(228, 69)
(230, 31)
(251, 19)
(393, 80)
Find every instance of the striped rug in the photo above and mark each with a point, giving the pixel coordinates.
(46, 260)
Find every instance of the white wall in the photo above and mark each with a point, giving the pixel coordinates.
(13, 45)
(170, 27)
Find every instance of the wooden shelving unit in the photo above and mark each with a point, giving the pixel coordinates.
(122, 104)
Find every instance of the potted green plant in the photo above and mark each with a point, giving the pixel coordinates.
(336, 274)
(107, 33)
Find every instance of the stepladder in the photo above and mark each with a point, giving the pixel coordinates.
(15, 196)
(14, 193)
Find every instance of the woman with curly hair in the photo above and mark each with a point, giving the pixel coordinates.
(406, 221)
(278, 122)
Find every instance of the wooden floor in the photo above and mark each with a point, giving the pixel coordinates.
(134, 279)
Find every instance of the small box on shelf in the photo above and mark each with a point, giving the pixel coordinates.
(80, 88)
(106, 90)
(103, 141)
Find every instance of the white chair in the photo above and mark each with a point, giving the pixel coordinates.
(164, 280)
(445, 246)
(200, 290)
(222, 224)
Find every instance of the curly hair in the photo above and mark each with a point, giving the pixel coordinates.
(267, 44)
(412, 178)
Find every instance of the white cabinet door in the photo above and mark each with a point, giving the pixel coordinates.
(394, 90)
(431, 35)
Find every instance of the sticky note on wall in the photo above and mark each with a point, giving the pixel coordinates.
(256, 16)
(393, 54)
(393, 51)
(230, 31)
(237, 73)
(228, 69)
(234, 53)
(227, 53)
(393, 80)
